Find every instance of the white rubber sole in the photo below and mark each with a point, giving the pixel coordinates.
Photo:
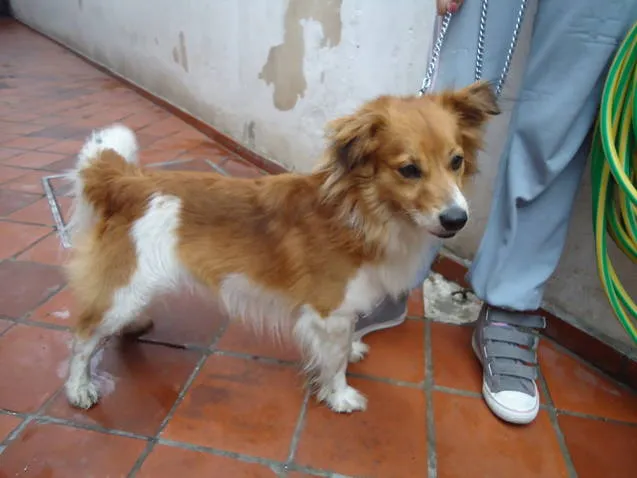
(385, 324)
(510, 415)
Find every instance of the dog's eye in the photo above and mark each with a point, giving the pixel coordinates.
(456, 162)
(410, 171)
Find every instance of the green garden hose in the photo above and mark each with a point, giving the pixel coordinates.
(614, 175)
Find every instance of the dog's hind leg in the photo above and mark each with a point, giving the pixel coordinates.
(118, 278)
(327, 344)
(92, 329)
(81, 391)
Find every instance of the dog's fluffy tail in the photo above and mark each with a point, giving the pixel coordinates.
(117, 138)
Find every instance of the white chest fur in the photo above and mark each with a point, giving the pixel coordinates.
(397, 274)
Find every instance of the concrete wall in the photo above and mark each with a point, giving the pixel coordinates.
(267, 72)
(270, 73)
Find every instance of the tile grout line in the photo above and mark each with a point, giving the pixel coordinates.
(257, 358)
(14, 257)
(193, 375)
(300, 424)
(27, 223)
(274, 361)
(13, 322)
(11, 413)
(23, 319)
(205, 355)
(17, 430)
(29, 417)
(153, 440)
(56, 291)
(151, 443)
(41, 169)
(561, 440)
(42, 264)
(471, 394)
(388, 381)
(217, 167)
(268, 462)
(428, 388)
(432, 457)
(456, 391)
(168, 163)
(289, 363)
(216, 451)
(596, 418)
(41, 418)
(32, 245)
(47, 419)
(44, 325)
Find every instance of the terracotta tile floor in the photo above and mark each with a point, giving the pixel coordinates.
(198, 395)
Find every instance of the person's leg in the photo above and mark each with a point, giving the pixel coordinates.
(539, 174)
(456, 69)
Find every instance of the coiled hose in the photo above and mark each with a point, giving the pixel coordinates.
(614, 176)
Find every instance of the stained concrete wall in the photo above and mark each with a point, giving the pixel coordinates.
(270, 73)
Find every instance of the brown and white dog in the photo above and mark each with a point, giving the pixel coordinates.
(308, 252)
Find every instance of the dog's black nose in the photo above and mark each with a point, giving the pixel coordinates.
(453, 219)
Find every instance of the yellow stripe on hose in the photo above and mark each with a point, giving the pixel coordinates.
(613, 173)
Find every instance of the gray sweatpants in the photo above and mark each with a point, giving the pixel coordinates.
(545, 154)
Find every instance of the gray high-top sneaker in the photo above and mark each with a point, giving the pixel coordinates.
(388, 313)
(506, 343)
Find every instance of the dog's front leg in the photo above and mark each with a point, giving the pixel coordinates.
(327, 343)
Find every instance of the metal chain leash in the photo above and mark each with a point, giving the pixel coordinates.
(512, 45)
(481, 40)
(479, 64)
(435, 54)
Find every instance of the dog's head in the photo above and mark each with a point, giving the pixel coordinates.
(410, 156)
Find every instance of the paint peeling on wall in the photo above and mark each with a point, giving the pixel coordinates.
(284, 67)
(180, 54)
(249, 135)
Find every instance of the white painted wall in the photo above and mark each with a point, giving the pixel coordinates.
(270, 73)
(226, 45)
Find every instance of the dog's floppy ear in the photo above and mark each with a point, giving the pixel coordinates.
(473, 104)
(353, 138)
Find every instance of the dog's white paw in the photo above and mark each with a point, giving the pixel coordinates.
(347, 400)
(82, 395)
(358, 352)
